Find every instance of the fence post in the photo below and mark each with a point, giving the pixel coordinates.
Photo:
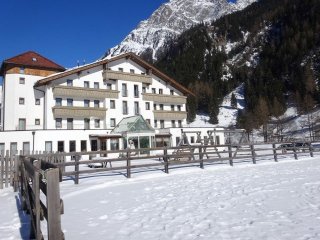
(165, 159)
(53, 205)
(128, 163)
(295, 152)
(16, 173)
(36, 191)
(310, 149)
(6, 162)
(230, 155)
(253, 154)
(275, 156)
(1, 169)
(76, 169)
(201, 158)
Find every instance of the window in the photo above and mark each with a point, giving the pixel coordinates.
(114, 144)
(131, 70)
(83, 146)
(58, 102)
(21, 101)
(124, 90)
(148, 121)
(172, 107)
(217, 140)
(70, 102)
(86, 103)
(147, 106)
(58, 122)
(120, 69)
(109, 86)
(173, 123)
(177, 141)
(69, 82)
(192, 139)
(22, 70)
(22, 80)
(171, 92)
(37, 101)
(86, 84)
(144, 89)
(86, 123)
(13, 148)
(124, 107)
(72, 146)
(160, 91)
(179, 108)
(26, 148)
(136, 91)
(161, 123)
(154, 106)
(60, 146)
(34, 59)
(179, 123)
(112, 104)
(112, 122)
(2, 149)
(22, 124)
(37, 121)
(155, 123)
(94, 145)
(96, 85)
(97, 123)
(48, 146)
(161, 106)
(96, 103)
(69, 123)
(136, 108)
(153, 90)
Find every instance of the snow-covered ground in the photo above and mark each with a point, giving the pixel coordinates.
(264, 201)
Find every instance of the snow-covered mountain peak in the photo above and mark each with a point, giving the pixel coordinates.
(169, 21)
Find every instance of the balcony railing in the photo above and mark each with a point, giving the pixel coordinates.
(78, 112)
(79, 92)
(162, 98)
(109, 74)
(169, 115)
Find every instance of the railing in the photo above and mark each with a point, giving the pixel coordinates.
(39, 177)
(82, 112)
(109, 74)
(83, 93)
(164, 158)
(164, 98)
(169, 115)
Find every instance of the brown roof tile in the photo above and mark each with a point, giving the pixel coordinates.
(33, 59)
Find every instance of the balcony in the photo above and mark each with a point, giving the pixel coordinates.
(169, 115)
(109, 74)
(79, 92)
(78, 112)
(161, 98)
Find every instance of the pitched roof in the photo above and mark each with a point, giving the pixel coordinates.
(130, 56)
(32, 59)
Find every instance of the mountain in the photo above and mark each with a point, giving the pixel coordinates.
(149, 39)
(271, 47)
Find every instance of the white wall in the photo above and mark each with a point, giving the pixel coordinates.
(13, 90)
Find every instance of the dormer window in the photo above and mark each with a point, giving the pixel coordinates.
(34, 59)
(22, 70)
(120, 69)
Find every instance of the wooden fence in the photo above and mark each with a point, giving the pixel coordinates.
(40, 177)
(124, 161)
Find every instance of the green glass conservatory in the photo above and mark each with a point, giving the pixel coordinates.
(137, 130)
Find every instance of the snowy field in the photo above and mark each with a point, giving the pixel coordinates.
(264, 201)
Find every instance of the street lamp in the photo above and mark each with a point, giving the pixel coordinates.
(33, 133)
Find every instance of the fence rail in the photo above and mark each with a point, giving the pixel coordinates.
(39, 177)
(163, 158)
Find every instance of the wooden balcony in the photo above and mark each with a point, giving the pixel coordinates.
(109, 74)
(169, 115)
(161, 98)
(78, 112)
(84, 93)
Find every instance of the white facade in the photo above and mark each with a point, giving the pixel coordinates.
(69, 108)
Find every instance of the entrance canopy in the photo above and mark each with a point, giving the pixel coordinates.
(134, 124)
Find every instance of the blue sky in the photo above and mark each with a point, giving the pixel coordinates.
(69, 30)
